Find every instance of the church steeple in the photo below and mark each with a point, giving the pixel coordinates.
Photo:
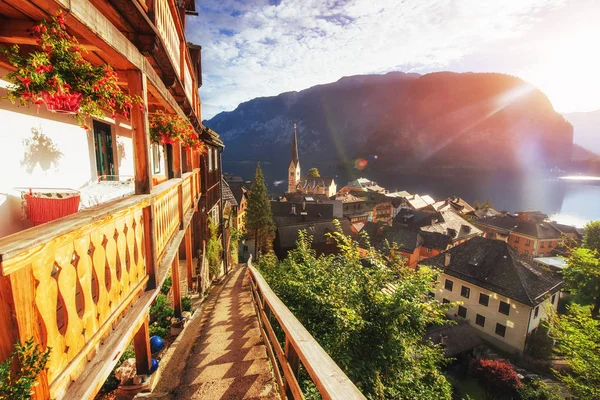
(294, 168)
(295, 147)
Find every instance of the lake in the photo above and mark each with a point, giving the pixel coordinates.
(571, 202)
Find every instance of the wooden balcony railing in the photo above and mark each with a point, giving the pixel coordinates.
(68, 283)
(173, 37)
(165, 23)
(299, 348)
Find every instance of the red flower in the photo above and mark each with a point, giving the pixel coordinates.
(25, 81)
(87, 128)
(61, 19)
(39, 101)
(37, 29)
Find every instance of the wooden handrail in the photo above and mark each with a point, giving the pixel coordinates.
(66, 283)
(300, 347)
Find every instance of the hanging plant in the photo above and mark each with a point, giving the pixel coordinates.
(192, 141)
(58, 76)
(169, 128)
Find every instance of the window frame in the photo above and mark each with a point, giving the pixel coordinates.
(503, 329)
(536, 312)
(445, 301)
(465, 289)
(487, 297)
(451, 285)
(516, 239)
(458, 312)
(500, 307)
(477, 320)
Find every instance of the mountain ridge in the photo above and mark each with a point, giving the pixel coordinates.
(443, 119)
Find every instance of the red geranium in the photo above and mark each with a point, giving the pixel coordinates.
(60, 76)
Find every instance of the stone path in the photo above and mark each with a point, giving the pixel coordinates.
(228, 359)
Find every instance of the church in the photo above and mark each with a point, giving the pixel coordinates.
(307, 184)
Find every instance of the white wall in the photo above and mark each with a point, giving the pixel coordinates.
(67, 160)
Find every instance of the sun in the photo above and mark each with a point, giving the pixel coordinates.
(568, 71)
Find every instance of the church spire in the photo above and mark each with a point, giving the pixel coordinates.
(295, 148)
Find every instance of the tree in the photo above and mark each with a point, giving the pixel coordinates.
(369, 313)
(313, 173)
(259, 220)
(537, 389)
(578, 339)
(582, 276)
(497, 377)
(591, 239)
(539, 343)
(214, 248)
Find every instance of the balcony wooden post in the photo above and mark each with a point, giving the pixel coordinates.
(150, 246)
(176, 288)
(137, 85)
(141, 346)
(189, 258)
(27, 325)
(294, 362)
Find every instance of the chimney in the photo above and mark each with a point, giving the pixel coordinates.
(446, 259)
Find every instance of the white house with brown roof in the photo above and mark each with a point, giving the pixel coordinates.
(499, 292)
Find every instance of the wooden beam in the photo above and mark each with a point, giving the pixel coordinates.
(140, 133)
(176, 288)
(150, 247)
(141, 346)
(189, 258)
(16, 31)
(177, 160)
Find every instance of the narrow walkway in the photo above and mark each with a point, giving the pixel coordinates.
(228, 359)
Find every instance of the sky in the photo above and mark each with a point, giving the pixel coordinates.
(257, 48)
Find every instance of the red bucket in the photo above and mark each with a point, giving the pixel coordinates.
(42, 210)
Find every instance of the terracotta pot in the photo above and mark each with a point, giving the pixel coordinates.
(62, 103)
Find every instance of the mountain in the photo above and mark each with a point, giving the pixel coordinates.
(408, 122)
(586, 129)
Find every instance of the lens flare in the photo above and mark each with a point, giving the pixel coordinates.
(360, 164)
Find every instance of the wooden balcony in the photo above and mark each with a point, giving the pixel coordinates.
(83, 285)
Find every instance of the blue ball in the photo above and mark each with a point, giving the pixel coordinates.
(154, 366)
(156, 344)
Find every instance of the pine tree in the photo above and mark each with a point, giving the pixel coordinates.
(259, 221)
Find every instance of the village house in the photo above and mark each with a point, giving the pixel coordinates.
(529, 233)
(307, 184)
(316, 218)
(498, 291)
(452, 203)
(240, 189)
(446, 222)
(362, 185)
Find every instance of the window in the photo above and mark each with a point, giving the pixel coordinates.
(215, 159)
(465, 291)
(462, 312)
(245, 248)
(516, 239)
(553, 298)
(480, 320)
(500, 330)
(504, 308)
(210, 162)
(428, 250)
(445, 301)
(448, 285)
(541, 245)
(431, 295)
(536, 312)
(527, 242)
(484, 299)
(156, 160)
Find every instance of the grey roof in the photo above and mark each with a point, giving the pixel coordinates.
(455, 339)
(406, 240)
(493, 265)
(310, 182)
(554, 262)
(414, 218)
(485, 212)
(435, 240)
(299, 197)
(228, 196)
(283, 212)
(510, 223)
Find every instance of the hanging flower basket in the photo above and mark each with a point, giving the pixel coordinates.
(63, 103)
(58, 75)
(169, 129)
(192, 142)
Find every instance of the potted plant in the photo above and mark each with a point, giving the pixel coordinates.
(168, 129)
(58, 76)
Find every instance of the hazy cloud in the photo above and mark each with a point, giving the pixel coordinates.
(265, 47)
